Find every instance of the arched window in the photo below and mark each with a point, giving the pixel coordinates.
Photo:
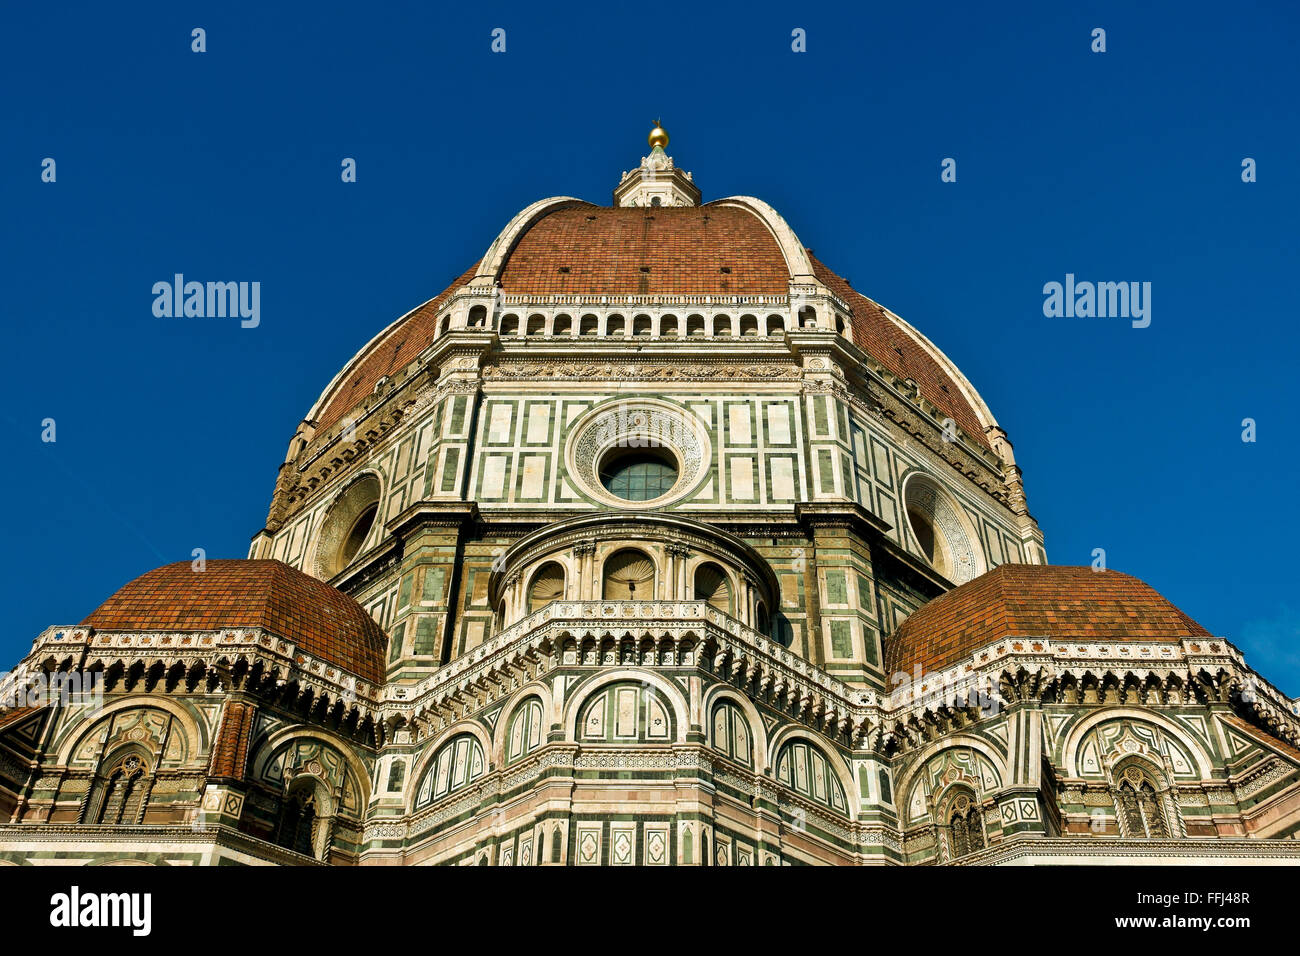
(629, 576)
(589, 325)
(641, 325)
(536, 324)
(965, 826)
(749, 325)
(547, 586)
(722, 325)
(119, 795)
(762, 621)
(299, 820)
(563, 325)
(478, 317)
(525, 732)
(616, 325)
(694, 325)
(668, 326)
(1138, 805)
(731, 733)
(626, 712)
(775, 325)
(712, 585)
(457, 764)
(805, 770)
(510, 325)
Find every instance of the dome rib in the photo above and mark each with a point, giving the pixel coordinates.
(388, 353)
(320, 620)
(894, 347)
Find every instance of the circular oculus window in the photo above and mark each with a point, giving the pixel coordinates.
(940, 533)
(638, 452)
(635, 475)
(346, 527)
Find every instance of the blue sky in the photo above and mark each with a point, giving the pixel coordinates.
(1122, 166)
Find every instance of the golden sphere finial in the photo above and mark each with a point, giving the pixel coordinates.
(658, 136)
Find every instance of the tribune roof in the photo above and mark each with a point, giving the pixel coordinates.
(320, 620)
(1033, 600)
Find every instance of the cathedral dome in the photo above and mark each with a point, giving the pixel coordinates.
(567, 249)
(712, 249)
(387, 353)
(1028, 600)
(649, 486)
(319, 619)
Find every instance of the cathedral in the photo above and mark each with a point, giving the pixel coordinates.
(648, 541)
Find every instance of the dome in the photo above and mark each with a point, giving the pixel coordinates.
(737, 247)
(1033, 600)
(678, 250)
(318, 619)
(391, 350)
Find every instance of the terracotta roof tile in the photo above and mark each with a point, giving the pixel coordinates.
(647, 251)
(1031, 600)
(15, 715)
(588, 249)
(893, 347)
(319, 619)
(391, 354)
(1262, 736)
(230, 748)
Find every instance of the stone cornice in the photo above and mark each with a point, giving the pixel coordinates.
(1027, 667)
(154, 836)
(86, 648)
(560, 302)
(1055, 849)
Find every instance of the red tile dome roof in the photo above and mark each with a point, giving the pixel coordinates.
(892, 346)
(320, 620)
(389, 354)
(662, 250)
(582, 249)
(1033, 600)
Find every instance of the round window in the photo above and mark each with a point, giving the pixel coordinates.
(347, 525)
(357, 535)
(638, 454)
(638, 476)
(941, 535)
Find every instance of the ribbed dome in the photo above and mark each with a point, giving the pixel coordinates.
(389, 354)
(1034, 600)
(888, 343)
(715, 249)
(319, 619)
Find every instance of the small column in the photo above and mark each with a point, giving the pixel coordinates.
(751, 601)
(675, 575)
(584, 554)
